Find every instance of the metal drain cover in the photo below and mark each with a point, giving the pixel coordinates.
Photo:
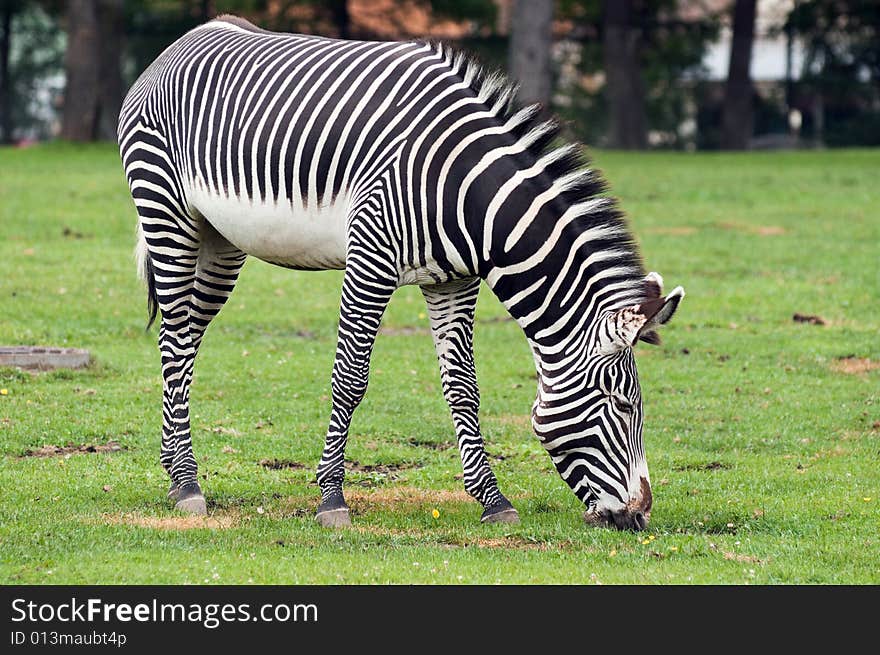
(43, 358)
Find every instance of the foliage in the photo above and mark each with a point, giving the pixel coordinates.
(151, 25)
(483, 13)
(671, 54)
(36, 69)
(843, 65)
(762, 447)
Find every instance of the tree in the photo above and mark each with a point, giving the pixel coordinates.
(111, 25)
(737, 117)
(839, 87)
(530, 41)
(79, 121)
(341, 17)
(93, 94)
(625, 91)
(6, 14)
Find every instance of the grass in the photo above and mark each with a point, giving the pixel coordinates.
(763, 450)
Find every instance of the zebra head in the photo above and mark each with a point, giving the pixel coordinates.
(588, 413)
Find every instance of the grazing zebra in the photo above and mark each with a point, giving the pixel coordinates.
(401, 163)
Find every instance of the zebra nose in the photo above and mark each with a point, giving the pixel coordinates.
(627, 519)
(640, 521)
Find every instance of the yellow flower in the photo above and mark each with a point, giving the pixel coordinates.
(613, 552)
(867, 499)
(4, 392)
(673, 548)
(435, 513)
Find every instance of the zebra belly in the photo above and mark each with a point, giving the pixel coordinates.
(280, 233)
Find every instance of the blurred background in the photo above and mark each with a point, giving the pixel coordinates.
(625, 74)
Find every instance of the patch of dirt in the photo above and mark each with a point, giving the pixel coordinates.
(213, 522)
(232, 432)
(710, 466)
(677, 231)
(385, 532)
(852, 365)
(380, 498)
(72, 449)
(760, 230)
(517, 543)
(382, 469)
(450, 541)
(405, 495)
(376, 475)
(70, 233)
(809, 318)
(494, 319)
(743, 558)
(383, 499)
(277, 464)
(827, 280)
(433, 445)
(770, 230)
(837, 451)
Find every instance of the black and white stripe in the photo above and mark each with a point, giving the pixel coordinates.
(401, 163)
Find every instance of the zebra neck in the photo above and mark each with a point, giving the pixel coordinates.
(558, 280)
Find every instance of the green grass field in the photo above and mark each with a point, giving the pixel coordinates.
(762, 433)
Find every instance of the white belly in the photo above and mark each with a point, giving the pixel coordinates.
(280, 233)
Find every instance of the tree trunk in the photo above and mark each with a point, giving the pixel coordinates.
(94, 90)
(81, 62)
(530, 41)
(737, 118)
(341, 17)
(817, 111)
(625, 91)
(112, 31)
(206, 10)
(5, 82)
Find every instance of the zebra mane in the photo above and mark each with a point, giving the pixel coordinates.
(563, 161)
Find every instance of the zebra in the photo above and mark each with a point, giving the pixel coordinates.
(400, 163)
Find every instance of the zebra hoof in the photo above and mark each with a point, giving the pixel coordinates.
(173, 491)
(333, 513)
(500, 512)
(190, 499)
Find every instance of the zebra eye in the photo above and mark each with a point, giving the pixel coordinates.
(622, 404)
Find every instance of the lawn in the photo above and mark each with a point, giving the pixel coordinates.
(762, 432)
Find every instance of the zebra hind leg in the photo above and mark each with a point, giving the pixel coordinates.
(451, 311)
(367, 287)
(173, 278)
(217, 269)
(191, 284)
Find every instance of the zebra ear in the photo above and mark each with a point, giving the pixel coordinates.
(658, 312)
(625, 327)
(653, 289)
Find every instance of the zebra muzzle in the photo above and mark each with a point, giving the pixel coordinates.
(626, 519)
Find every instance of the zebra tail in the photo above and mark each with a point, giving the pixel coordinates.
(147, 275)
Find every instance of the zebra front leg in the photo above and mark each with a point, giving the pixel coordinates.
(365, 294)
(451, 310)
